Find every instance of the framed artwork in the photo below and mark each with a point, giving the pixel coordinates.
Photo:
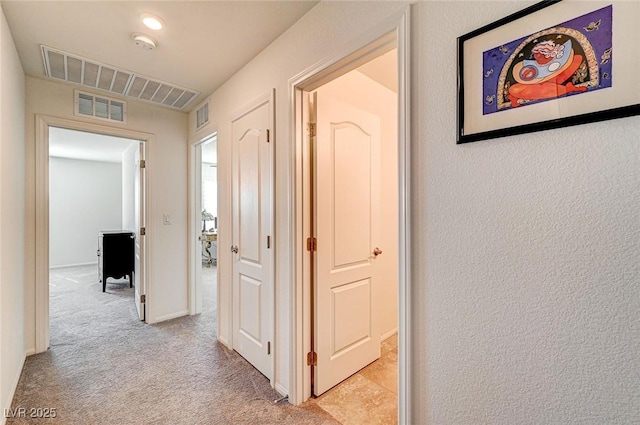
(554, 64)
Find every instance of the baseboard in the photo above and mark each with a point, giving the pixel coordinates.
(388, 334)
(29, 352)
(281, 390)
(224, 341)
(169, 316)
(12, 393)
(66, 266)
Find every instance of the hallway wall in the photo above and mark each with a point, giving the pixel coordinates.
(316, 36)
(526, 255)
(12, 217)
(525, 249)
(167, 180)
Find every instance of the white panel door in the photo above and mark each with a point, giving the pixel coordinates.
(252, 249)
(140, 213)
(347, 205)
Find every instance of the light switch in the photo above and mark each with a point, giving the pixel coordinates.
(166, 219)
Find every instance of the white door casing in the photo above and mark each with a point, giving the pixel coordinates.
(347, 211)
(139, 205)
(252, 238)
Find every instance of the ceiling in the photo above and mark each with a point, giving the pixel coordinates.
(73, 144)
(383, 69)
(202, 44)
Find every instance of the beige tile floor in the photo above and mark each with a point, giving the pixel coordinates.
(371, 395)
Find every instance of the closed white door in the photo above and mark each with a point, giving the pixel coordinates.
(252, 239)
(347, 220)
(139, 206)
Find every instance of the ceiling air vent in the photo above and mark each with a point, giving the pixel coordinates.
(89, 73)
(202, 116)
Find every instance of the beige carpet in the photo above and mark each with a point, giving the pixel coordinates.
(107, 367)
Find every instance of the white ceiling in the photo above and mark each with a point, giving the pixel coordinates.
(73, 144)
(383, 69)
(202, 44)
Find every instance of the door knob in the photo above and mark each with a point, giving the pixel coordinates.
(234, 249)
(377, 251)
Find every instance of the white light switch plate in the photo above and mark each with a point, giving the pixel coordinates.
(166, 219)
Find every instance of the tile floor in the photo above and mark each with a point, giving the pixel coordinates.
(371, 395)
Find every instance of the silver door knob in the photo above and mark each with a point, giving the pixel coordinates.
(234, 249)
(377, 251)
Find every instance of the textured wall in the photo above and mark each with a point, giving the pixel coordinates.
(318, 35)
(12, 209)
(526, 272)
(167, 182)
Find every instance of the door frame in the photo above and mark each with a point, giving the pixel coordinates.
(395, 30)
(43, 122)
(195, 258)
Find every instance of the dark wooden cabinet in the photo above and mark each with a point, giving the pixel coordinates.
(116, 256)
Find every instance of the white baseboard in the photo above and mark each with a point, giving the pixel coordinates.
(169, 317)
(388, 334)
(281, 390)
(66, 266)
(225, 342)
(14, 387)
(30, 352)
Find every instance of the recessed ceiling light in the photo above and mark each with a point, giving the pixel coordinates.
(152, 22)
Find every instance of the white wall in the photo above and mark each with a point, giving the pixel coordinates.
(85, 197)
(12, 217)
(315, 37)
(129, 170)
(526, 262)
(167, 183)
(525, 250)
(361, 91)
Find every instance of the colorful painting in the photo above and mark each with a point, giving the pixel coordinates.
(568, 59)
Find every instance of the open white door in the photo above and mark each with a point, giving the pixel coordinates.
(347, 220)
(252, 249)
(140, 214)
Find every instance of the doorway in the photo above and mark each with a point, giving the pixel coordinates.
(303, 88)
(138, 142)
(206, 241)
(94, 208)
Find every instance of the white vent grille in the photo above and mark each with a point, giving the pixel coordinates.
(78, 70)
(101, 107)
(202, 116)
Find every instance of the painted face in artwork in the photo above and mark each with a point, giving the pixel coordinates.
(546, 75)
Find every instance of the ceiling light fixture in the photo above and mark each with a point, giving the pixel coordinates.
(152, 22)
(144, 41)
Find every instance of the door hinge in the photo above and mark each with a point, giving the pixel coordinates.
(268, 241)
(143, 299)
(268, 348)
(312, 358)
(268, 136)
(311, 129)
(312, 244)
(143, 231)
(143, 163)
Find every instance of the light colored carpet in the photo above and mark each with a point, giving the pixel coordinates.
(107, 367)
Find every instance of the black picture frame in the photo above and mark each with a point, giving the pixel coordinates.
(627, 108)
